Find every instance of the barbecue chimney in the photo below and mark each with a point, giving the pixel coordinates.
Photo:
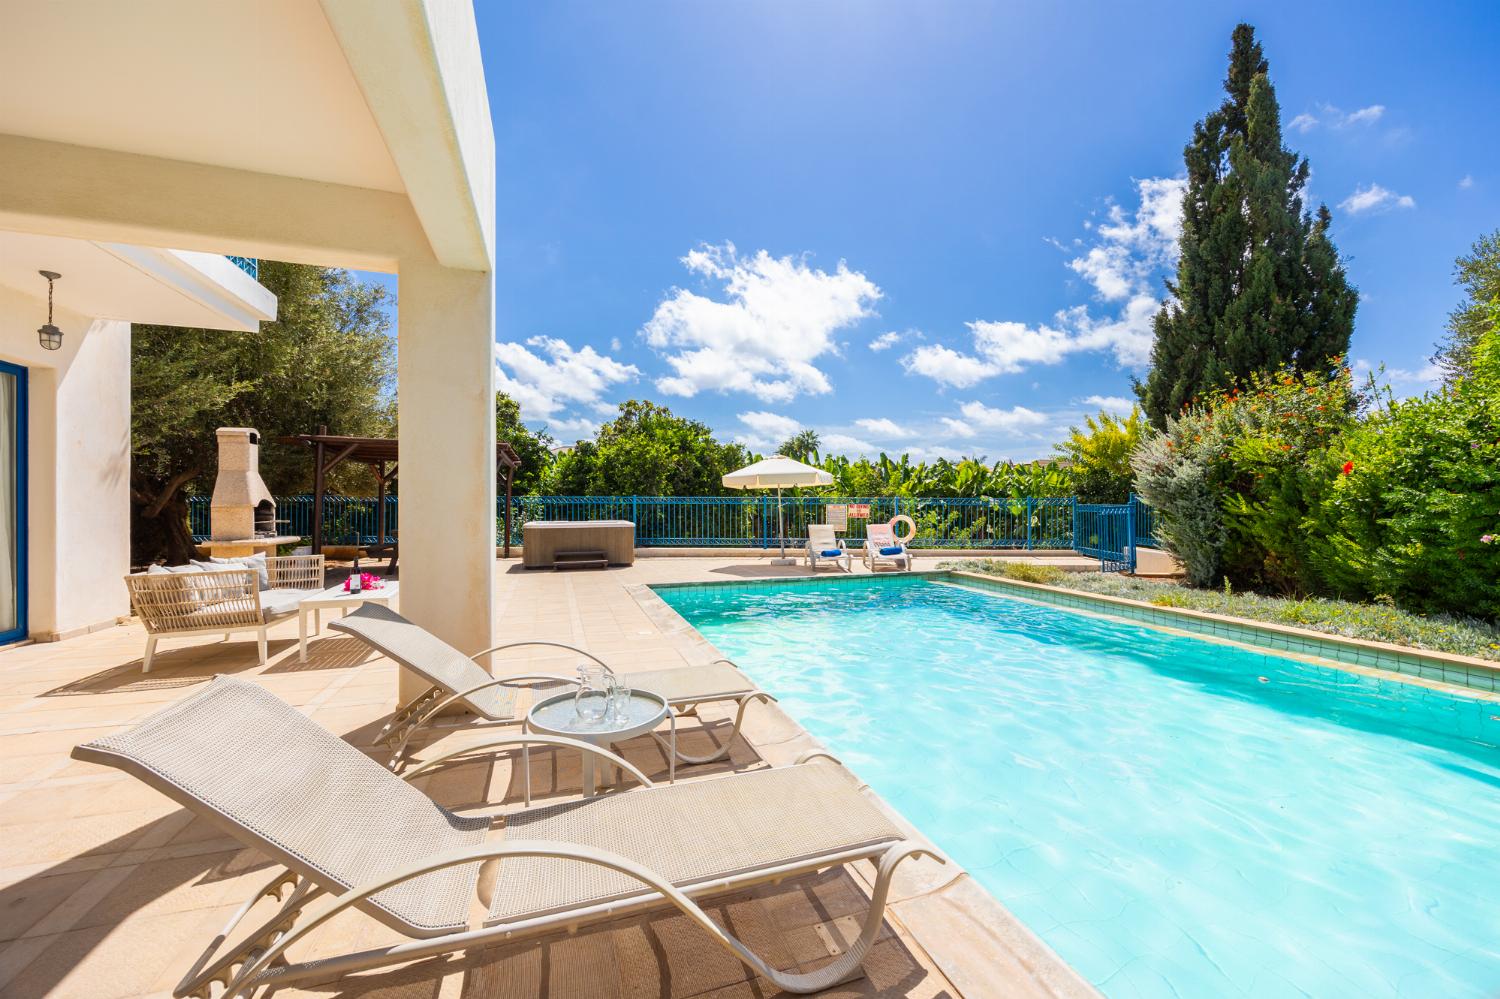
(242, 507)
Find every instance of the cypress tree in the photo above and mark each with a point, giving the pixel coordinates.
(1259, 283)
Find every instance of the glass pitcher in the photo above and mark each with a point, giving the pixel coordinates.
(591, 701)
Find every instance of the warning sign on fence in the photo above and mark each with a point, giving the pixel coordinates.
(837, 515)
(859, 511)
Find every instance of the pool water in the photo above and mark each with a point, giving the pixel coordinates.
(1175, 817)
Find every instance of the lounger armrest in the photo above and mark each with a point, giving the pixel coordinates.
(498, 681)
(554, 645)
(532, 739)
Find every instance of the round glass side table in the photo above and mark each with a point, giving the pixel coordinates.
(643, 711)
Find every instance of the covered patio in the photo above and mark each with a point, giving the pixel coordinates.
(369, 147)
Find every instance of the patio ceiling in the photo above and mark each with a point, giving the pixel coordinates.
(283, 120)
(255, 86)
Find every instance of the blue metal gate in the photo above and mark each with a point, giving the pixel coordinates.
(1106, 531)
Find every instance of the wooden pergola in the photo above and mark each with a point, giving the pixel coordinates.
(382, 455)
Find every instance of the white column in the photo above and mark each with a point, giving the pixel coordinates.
(446, 396)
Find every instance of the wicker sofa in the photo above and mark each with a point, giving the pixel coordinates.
(221, 600)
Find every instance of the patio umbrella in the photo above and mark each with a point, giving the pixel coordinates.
(778, 472)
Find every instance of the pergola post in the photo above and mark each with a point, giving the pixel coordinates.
(380, 504)
(318, 486)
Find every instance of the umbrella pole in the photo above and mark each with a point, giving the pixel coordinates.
(780, 532)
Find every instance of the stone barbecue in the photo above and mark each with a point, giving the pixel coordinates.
(242, 513)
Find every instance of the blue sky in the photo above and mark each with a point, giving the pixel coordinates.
(726, 207)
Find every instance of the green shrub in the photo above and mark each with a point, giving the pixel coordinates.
(1416, 494)
(1099, 455)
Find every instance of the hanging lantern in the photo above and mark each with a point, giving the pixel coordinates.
(49, 336)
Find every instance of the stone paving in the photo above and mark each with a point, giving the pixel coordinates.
(108, 890)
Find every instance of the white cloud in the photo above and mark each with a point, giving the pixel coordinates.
(579, 428)
(881, 427)
(845, 444)
(1303, 123)
(886, 341)
(1337, 117)
(546, 376)
(779, 318)
(1401, 381)
(1375, 199)
(1121, 264)
(762, 429)
(1467, 182)
(1112, 404)
(1364, 116)
(977, 418)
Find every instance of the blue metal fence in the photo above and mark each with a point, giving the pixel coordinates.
(1108, 532)
(1144, 522)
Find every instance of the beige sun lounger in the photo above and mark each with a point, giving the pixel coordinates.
(352, 834)
(455, 678)
(821, 540)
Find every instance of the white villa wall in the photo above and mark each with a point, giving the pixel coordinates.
(78, 466)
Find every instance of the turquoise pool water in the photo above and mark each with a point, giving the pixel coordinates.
(1174, 817)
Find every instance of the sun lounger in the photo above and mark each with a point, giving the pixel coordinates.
(882, 548)
(457, 679)
(824, 546)
(352, 834)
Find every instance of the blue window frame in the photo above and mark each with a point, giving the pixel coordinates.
(15, 477)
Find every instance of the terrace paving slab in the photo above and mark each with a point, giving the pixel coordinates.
(109, 891)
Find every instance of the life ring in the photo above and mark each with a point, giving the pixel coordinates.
(909, 522)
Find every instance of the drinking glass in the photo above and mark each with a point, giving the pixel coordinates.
(591, 701)
(620, 706)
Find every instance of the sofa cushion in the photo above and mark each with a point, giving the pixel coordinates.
(276, 603)
(256, 562)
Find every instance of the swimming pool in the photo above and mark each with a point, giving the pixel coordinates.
(1175, 817)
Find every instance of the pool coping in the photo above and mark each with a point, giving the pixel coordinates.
(966, 931)
(1446, 668)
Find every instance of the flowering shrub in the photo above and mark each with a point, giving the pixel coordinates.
(1235, 476)
(1299, 485)
(1417, 520)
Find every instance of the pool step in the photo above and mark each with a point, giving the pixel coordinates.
(588, 559)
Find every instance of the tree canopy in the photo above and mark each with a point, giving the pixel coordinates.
(1478, 274)
(327, 358)
(1099, 455)
(533, 447)
(649, 451)
(1259, 284)
(803, 445)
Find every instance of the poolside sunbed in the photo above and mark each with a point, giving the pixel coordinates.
(457, 678)
(824, 546)
(882, 548)
(352, 834)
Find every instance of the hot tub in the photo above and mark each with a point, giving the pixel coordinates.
(548, 544)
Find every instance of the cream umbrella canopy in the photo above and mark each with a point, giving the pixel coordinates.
(778, 472)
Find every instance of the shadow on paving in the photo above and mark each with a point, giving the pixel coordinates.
(170, 668)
